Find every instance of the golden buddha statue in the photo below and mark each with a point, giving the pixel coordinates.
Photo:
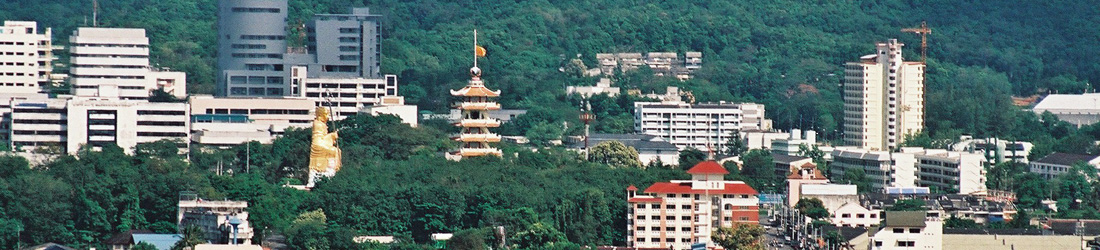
(324, 156)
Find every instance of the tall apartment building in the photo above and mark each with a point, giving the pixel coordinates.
(883, 98)
(114, 63)
(698, 125)
(251, 46)
(26, 57)
(345, 45)
(67, 124)
(676, 214)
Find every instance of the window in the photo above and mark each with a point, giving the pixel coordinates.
(845, 215)
(860, 216)
(670, 217)
(685, 229)
(685, 206)
(641, 239)
(655, 228)
(654, 217)
(670, 229)
(878, 243)
(906, 243)
(670, 206)
(914, 230)
(685, 217)
(641, 228)
(899, 230)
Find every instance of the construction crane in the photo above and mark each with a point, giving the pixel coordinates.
(923, 31)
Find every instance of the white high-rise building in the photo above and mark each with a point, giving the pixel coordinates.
(883, 98)
(26, 57)
(698, 125)
(114, 63)
(64, 125)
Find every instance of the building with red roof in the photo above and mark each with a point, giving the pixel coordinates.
(679, 213)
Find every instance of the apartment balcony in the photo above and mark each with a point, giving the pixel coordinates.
(479, 138)
(479, 106)
(489, 123)
(471, 152)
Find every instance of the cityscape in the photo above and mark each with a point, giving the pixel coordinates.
(560, 125)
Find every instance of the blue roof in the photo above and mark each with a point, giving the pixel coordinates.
(161, 241)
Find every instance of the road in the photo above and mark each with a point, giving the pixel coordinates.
(772, 236)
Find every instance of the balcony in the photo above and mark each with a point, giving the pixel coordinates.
(489, 123)
(479, 138)
(479, 106)
(470, 152)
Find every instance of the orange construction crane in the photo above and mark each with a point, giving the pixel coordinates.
(923, 31)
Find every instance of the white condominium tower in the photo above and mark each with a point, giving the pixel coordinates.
(883, 98)
(25, 57)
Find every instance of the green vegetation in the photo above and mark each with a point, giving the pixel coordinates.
(740, 236)
(812, 207)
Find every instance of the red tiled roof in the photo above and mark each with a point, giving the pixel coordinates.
(708, 167)
(644, 200)
(475, 91)
(631, 188)
(685, 188)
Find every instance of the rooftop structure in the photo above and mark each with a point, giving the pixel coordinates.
(394, 105)
(1077, 109)
(26, 57)
(676, 214)
(215, 218)
(972, 207)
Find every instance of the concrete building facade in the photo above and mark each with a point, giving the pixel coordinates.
(251, 43)
(214, 218)
(698, 125)
(960, 172)
(883, 98)
(226, 121)
(346, 96)
(676, 214)
(1057, 164)
(1077, 109)
(908, 230)
(114, 63)
(67, 124)
(26, 57)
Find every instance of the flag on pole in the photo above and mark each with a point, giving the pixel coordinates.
(479, 51)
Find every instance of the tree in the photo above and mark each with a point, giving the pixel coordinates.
(614, 153)
(758, 169)
(907, 205)
(192, 235)
(735, 146)
(812, 207)
(308, 231)
(470, 239)
(815, 153)
(691, 156)
(542, 133)
(955, 222)
(537, 235)
(857, 177)
(740, 236)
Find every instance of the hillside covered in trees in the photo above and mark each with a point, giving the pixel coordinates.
(786, 54)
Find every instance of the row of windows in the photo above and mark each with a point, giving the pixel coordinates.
(264, 67)
(15, 43)
(256, 10)
(15, 74)
(108, 77)
(262, 37)
(10, 53)
(37, 121)
(344, 85)
(163, 134)
(349, 57)
(16, 64)
(161, 123)
(349, 30)
(257, 55)
(109, 66)
(256, 91)
(685, 240)
(17, 84)
(255, 80)
(110, 56)
(37, 132)
(161, 112)
(248, 46)
(259, 111)
(100, 45)
(40, 111)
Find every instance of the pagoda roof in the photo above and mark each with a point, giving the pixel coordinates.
(477, 90)
(708, 167)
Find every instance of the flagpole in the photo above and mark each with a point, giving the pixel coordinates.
(475, 48)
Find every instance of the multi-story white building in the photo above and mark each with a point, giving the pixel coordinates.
(67, 124)
(346, 96)
(1077, 109)
(214, 218)
(854, 215)
(698, 125)
(26, 57)
(395, 105)
(908, 230)
(1056, 164)
(793, 144)
(961, 172)
(114, 63)
(676, 214)
(226, 121)
(996, 150)
(883, 98)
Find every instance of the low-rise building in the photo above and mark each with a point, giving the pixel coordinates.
(216, 219)
(854, 215)
(67, 124)
(650, 148)
(1077, 109)
(1059, 163)
(676, 214)
(785, 163)
(876, 165)
(603, 87)
(908, 230)
(698, 125)
(761, 139)
(996, 150)
(953, 172)
(793, 144)
(972, 207)
(227, 121)
(395, 105)
(806, 175)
